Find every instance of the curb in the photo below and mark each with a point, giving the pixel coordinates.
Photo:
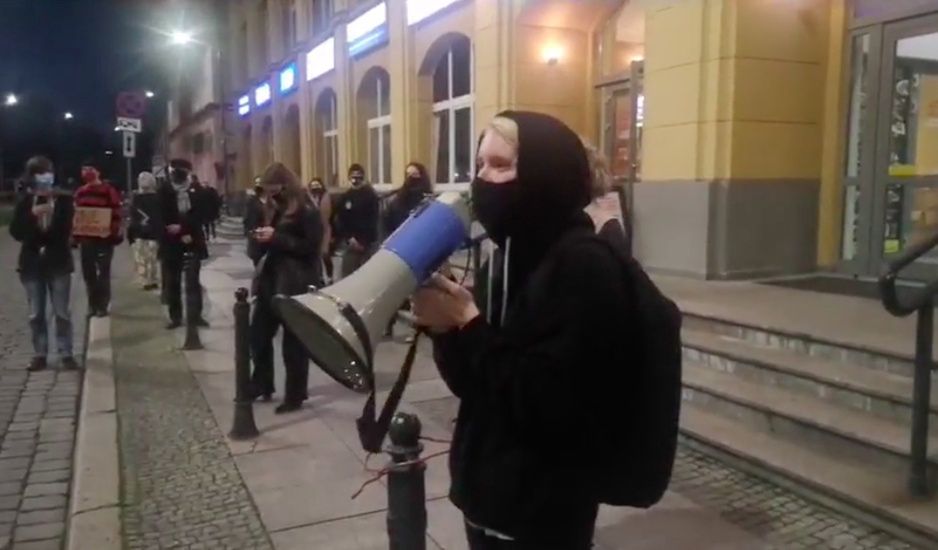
(94, 503)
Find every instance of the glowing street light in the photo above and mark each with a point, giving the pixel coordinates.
(69, 116)
(11, 100)
(180, 38)
(149, 94)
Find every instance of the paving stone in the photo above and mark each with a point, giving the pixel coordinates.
(40, 531)
(49, 476)
(13, 474)
(46, 502)
(10, 488)
(41, 516)
(10, 502)
(43, 464)
(41, 489)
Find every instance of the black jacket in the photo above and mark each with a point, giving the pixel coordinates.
(44, 253)
(171, 246)
(357, 215)
(406, 200)
(145, 214)
(290, 262)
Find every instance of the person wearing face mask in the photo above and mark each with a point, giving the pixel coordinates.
(42, 223)
(540, 364)
(287, 258)
(415, 189)
(97, 250)
(181, 220)
(320, 198)
(357, 221)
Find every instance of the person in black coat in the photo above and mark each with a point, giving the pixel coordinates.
(543, 374)
(357, 221)
(42, 223)
(287, 255)
(257, 214)
(181, 208)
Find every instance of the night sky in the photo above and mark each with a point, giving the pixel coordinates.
(76, 55)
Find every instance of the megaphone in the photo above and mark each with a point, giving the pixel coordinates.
(340, 324)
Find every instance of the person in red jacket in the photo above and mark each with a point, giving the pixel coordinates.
(97, 245)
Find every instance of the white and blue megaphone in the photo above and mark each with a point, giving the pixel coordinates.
(340, 324)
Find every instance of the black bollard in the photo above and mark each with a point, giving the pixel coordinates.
(193, 298)
(407, 511)
(243, 426)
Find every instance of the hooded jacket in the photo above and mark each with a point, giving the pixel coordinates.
(538, 389)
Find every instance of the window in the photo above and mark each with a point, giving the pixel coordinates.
(322, 15)
(327, 123)
(454, 147)
(379, 128)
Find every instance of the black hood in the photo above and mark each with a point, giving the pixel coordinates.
(553, 171)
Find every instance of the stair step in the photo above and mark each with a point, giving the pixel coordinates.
(880, 392)
(828, 427)
(877, 496)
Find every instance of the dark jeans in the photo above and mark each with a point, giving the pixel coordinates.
(172, 288)
(264, 326)
(96, 269)
(54, 289)
(209, 229)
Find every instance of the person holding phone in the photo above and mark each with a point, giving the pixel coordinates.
(42, 223)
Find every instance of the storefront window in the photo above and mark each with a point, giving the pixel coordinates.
(858, 103)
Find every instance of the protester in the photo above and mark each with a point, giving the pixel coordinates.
(287, 255)
(98, 242)
(144, 231)
(321, 198)
(357, 221)
(415, 189)
(542, 370)
(605, 208)
(42, 222)
(181, 210)
(213, 210)
(260, 211)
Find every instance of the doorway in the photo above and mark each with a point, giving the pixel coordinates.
(891, 161)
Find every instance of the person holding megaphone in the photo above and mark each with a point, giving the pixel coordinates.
(539, 357)
(286, 250)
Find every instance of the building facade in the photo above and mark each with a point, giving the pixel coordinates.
(753, 137)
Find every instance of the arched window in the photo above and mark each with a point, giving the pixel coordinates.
(452, 138)
(374, 102)
(328, 128)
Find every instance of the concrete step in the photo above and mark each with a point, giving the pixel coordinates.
(875, 495)
(853, 354)
(836, 431)
(878, 392)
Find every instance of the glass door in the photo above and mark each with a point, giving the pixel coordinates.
(905, 208)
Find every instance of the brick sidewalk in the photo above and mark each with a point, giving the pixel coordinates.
(37, 421)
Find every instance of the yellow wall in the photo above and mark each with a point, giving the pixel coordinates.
(830, 205)
(926, 136)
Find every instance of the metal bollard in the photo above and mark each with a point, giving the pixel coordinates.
(243, 426)
(193, 311)
(407, 511)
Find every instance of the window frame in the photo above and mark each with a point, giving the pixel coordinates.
(449, 106)
(382, 87)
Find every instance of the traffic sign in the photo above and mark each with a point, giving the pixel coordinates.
(125, 124)
(130, 145)
(131, 104)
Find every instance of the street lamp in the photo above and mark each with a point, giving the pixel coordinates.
(69, 116)
(11, 100)
(180, 38)
(149, 94)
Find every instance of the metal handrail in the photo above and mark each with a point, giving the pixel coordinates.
(887, 281)
(922, 302)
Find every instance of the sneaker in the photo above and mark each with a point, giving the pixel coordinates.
(37, 364)
(69, 363)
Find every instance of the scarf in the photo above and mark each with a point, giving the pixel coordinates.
(182, 197)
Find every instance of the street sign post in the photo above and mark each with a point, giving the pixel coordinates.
(129, 142)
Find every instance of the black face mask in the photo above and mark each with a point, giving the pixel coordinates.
(497, 206)
(179, 176)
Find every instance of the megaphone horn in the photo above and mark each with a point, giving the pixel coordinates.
(340, 324)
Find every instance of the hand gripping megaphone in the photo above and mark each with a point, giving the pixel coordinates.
(338, 325)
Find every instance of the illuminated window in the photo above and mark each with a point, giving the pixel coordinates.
(453, 143)
(244, 105)
(262, 94)
(288, 79)
(321, 59)
(368, 30)
(418, 10)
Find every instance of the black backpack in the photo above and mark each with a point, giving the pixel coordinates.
(635, 467)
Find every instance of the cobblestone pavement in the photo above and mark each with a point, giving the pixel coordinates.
(782, 519)
(180, 486)
(37, 421)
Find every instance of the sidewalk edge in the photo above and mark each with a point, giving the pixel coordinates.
(94, 503)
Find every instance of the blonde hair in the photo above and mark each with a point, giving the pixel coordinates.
(600, 178)
(146, 182)
(507, 129)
